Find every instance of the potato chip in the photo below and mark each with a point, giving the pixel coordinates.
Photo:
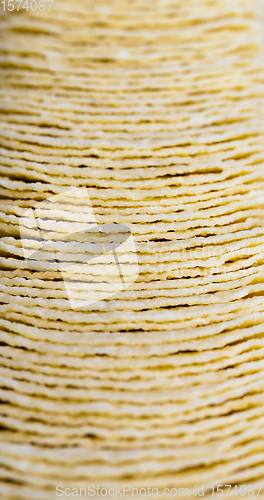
(153, 114)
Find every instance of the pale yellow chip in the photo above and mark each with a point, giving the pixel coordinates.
(157, 110)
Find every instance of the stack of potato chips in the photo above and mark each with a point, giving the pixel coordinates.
(155, 110)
